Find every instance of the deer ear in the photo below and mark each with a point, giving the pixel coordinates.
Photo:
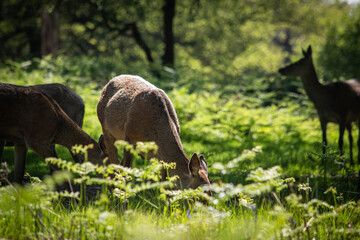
(309, 51)
(303, 52)
(194, 164)
(203, 161)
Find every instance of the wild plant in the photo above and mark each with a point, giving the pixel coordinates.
(316, 219)
(134, 203)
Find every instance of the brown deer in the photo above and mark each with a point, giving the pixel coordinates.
(69, 101)
(133, 110)
(31, 119)
(337, 102)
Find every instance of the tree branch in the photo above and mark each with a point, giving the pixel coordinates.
(128, 26)
(140, 41)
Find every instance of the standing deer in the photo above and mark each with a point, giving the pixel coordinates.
(132, 109)
(69, 101)
(337, 102)
(33, 120)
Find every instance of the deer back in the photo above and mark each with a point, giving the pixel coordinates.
(129, 106)
(69, 101)
(24, 111)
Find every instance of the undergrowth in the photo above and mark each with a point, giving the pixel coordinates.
(269, 177)
(114, 202)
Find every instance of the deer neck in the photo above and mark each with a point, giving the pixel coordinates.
(314, 89)
(70, 134)
(170, 148)
(181, 169)
(173, 152)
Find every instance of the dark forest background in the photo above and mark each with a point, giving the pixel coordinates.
(230, 43)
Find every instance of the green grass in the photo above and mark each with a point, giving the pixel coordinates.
(238, 134)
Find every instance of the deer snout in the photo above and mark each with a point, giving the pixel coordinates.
(281, 71)
(209, 193)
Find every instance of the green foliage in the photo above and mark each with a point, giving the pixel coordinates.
(37, 210)
(317, 218)
(215, 122)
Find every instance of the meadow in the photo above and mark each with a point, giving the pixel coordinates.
(269, 177)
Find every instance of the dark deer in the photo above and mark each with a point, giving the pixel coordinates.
(69, 101)
(31, 119)
(337, 102)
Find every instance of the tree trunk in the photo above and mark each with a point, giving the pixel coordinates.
(169, 13)
(33, 38)
(49, 33)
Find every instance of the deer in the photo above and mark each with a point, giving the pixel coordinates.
(69, 101)
(336, 102)
(132, 109)
(33, 120)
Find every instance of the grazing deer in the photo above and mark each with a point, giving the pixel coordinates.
(337, 102)
(69, 101)
(133, 110)
(33, 120)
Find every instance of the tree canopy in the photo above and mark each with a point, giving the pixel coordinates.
(227, 38)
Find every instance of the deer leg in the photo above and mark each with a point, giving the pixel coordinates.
(2, 144)
(128, 157)
(323, 128)
(348, 127)
(110, 150)
(341, 138)
(19, 157)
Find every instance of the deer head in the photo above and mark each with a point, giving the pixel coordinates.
(300, 67)
(198, 173)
